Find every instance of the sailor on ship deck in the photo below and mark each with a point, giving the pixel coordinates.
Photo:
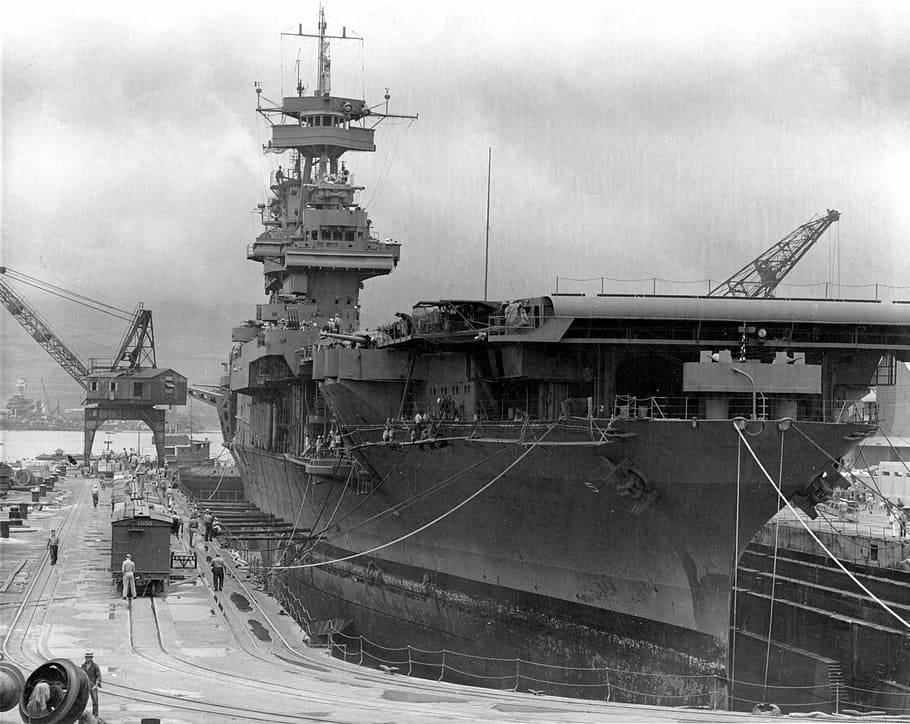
(515, 315)
(408, 322)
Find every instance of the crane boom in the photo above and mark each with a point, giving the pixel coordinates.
(42, 333)
(760, 277)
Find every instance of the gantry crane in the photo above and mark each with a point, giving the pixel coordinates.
(127, 387)
(760, 277)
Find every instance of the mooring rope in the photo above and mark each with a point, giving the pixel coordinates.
(735, 562)
(425, 525)
(780, 478)
(809, 530)
(306, 492)
(412, 500)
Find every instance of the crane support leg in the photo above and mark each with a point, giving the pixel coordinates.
(97, 416)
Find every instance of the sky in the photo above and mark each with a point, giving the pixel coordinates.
(644, 141)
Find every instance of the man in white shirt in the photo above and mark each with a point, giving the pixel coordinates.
(129, 576)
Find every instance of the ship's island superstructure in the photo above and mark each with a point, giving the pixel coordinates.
(559, 478)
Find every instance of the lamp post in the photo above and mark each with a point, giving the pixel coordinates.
(754, 391)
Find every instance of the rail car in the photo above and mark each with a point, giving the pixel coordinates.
(141, 526)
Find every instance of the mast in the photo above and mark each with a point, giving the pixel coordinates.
(486, 255)
(324, 81)
(318, 246)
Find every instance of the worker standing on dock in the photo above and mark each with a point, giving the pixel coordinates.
(207, 520)
(96, 491)
(128, 568)
(53, 546)
(94, 679)
(218, 572)
(192, 527)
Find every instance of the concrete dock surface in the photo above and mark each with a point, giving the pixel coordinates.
(196, 655)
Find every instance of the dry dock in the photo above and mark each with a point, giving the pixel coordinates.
(195, 655)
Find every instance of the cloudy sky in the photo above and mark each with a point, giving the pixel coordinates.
(630, 140)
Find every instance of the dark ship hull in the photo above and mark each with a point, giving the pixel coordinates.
(551, 564)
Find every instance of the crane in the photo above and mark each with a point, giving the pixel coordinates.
(760, 277)
(127, 387)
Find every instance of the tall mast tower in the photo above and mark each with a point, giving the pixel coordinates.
(317, 247)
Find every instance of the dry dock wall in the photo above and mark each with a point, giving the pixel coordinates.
(827, 636)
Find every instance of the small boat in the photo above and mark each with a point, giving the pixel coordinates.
(58, 454)
(329, 466)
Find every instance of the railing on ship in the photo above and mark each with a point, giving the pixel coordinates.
(579, 411)
(658, 286)
(628, 407)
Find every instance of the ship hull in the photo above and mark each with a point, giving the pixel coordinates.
(553, 562)
(456, 630)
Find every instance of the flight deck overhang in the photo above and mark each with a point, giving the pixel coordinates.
(731, 309)
(712, 322)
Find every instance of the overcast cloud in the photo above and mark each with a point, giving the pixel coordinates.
(632, 140)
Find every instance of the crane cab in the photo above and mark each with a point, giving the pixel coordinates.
(140, 387)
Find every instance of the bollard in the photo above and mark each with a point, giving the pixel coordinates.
(35, 495)
(42, 491)
(23, 511)
(4, 529)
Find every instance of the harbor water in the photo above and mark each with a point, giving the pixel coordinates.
(26, 444)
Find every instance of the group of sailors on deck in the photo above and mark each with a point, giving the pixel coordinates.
(330, 444)
(426, 427)
(332, 325)
(341, 177)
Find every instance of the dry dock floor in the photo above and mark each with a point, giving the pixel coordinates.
(195, 655)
